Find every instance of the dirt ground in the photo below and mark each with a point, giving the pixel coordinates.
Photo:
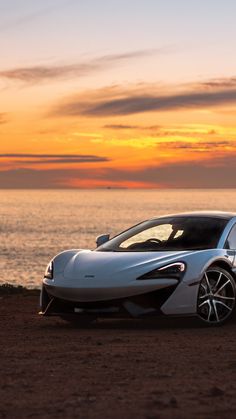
(113, 369)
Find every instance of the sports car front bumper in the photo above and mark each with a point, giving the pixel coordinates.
(145, 304)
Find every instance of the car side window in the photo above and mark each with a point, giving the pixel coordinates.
(231, 240)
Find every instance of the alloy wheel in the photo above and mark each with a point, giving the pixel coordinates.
(216, 297)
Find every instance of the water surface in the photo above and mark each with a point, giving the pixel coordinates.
(37, 224)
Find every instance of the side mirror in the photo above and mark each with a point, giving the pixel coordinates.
(102, 239)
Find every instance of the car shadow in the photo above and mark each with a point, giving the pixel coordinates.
(157, 323)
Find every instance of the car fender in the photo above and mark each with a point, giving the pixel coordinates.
(61, 259)
(184, 298)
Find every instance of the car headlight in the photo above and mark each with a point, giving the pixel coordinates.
(173, 270)
(49, 271)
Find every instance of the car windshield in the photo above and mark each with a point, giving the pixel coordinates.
(166, 234)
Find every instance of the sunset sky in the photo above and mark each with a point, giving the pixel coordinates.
(117, 93)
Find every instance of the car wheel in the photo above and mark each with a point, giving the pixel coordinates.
(216, 296)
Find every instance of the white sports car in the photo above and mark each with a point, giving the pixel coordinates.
(175, 265)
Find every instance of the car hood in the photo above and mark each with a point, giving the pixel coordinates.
(109, 264)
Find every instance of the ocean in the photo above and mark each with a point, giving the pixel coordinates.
(37, 224)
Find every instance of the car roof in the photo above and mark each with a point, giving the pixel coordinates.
(206, 214)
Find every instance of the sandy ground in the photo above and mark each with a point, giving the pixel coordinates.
(113, 369)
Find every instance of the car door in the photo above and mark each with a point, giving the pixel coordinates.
(231, 243)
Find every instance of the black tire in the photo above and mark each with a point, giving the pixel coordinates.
(216, 296)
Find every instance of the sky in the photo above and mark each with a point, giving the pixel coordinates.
(117, 94)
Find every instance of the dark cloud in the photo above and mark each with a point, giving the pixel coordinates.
(217, 173)
(120, 126)
(124, 126)
(41, 73)
(152, 128)
(120, 101)
(222, 83)
(198, 145)
(139, 104)
(133, 54)
(53, 158)
(37, 74)
(46, 156)
(182, 133)
(29, 178)
(91, 159)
